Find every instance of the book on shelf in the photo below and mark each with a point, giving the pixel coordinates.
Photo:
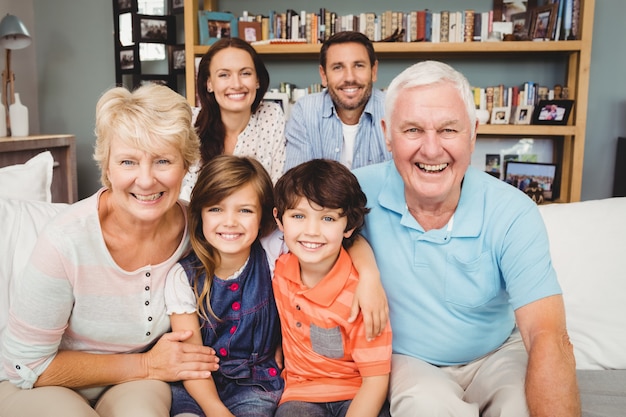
(444, 32)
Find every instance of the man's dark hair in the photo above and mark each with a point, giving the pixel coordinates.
(347, 37)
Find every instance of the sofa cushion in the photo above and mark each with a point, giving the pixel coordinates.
(29, 181)
(20, 223)
(588, 247)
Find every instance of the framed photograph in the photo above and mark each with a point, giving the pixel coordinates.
(177, 58)
(492, 164)
(282, 99)
(552, 112)
(538, 180)
(161, 79)
(123, 6)
(250, 31)
(129, 61)
(500, 115)
(523, 115)
(542, 22)
(154, 29)
(503, 10)
(520, 26)
(176, 6)
(216, 25)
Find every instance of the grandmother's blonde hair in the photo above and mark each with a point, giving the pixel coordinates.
(149, 117)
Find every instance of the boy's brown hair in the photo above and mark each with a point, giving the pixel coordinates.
(328, 184)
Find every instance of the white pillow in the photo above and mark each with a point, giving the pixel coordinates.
(20, 223)
(29, 181)
(588, 248)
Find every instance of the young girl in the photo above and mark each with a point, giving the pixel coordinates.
(226, 282)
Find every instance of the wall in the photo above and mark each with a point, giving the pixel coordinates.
(74, 61)
(23, 61)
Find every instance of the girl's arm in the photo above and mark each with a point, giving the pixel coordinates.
(370, 296)
(202, 390)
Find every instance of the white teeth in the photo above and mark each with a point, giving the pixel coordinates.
(236, 96)
(229, 236)
(310, 245)
(432, 168)
(150, 197)
(350, 90)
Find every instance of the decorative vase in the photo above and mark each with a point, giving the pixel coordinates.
(3, 121)
(482, 115)
(18, 114)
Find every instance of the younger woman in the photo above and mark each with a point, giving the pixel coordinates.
(226, 282)
(233, 118)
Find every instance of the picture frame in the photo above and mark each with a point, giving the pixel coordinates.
(176, 6)
(216, 25)
(161, 79)
(129, 59)
(503, 10)
(552, 112)
(520, 26)
(542, 22)
(281, 99)
(154, 29)
(177, 59)
(522, 174)
(500, 115)
(523, 114)
(250, 31)
(124, 6)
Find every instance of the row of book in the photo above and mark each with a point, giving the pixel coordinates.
(528, 94)
(412, 26)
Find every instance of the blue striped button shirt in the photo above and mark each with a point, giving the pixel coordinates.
(315, 131)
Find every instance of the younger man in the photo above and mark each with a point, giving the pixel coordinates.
(343, 121)
(330, 367)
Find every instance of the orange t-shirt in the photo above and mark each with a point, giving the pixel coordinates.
(325, 356)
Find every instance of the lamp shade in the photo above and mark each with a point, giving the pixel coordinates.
(13, 33)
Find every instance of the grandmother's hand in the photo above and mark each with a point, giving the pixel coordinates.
(171, 360)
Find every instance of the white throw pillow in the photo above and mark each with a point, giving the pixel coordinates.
(588, 247)
(20, 223)
(29, 181)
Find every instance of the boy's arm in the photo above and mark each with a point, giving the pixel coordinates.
(201, 390)
(370, 296)
(370, 398)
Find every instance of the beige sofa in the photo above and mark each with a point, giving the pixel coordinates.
(588, 246)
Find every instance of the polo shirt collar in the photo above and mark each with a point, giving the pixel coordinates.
(469, 214)
(327, 290)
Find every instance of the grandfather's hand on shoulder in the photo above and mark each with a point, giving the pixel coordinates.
(172, 360)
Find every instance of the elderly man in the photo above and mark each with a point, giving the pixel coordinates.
(475, 306)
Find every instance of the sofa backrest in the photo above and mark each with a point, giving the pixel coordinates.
(20, 223)
(588, 248)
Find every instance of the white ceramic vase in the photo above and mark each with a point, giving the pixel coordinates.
(3, 121)
(18, 114)
(482, 115)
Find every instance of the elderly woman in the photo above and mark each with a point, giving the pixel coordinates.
(87, 334)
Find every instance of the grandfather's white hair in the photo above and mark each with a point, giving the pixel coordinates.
(428, 73)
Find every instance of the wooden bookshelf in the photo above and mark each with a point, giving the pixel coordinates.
(575, 53)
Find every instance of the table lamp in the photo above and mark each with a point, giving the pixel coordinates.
(13, 35)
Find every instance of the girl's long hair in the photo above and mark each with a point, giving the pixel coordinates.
(219, 178)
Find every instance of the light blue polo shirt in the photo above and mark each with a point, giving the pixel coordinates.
(452, 291)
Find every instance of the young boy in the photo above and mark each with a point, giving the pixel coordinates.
(330, 367)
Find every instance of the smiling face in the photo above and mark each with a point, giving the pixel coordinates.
(430, 136)
(349, 76)
(314, 235)
(232, 225)
(144, 185)
(233, 80)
